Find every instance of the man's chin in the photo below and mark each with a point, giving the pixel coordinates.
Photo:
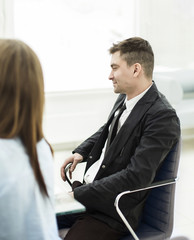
(116, 90)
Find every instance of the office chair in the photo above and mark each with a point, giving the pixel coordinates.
(158, 214)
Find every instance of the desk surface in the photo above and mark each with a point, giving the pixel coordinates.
(65, 204)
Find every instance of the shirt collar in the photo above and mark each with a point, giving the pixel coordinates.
(130, 104)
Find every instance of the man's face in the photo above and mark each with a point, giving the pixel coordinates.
(121, 74)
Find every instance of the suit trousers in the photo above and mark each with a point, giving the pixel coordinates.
(85, 227)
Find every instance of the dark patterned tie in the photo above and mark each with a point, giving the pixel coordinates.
(114, 126)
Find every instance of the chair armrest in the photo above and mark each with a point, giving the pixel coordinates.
(72, 182)
(153, 185)
(65, 172)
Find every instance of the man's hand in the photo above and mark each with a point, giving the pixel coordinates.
(74, 159)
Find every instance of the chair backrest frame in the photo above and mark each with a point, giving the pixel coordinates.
(159, 207)
(158, 215)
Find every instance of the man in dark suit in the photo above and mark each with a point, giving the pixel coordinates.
(126, 159)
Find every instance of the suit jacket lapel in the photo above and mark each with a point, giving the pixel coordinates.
(118, 104)
(97, 149)
(104, 134)
(133, 119)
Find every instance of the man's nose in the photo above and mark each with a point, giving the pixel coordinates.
(111, 76)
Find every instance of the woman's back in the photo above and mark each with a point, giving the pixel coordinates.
(25, 213)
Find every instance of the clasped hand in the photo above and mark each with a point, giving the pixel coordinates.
(74, 159)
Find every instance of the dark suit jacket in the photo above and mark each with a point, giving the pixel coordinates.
(132, 160)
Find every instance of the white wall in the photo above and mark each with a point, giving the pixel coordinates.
(72, 116)
(168, 26)
(6, 18)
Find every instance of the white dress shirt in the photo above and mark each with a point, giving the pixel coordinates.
(24, 212)
(130, 104)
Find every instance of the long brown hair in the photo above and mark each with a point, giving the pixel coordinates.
(22, 99)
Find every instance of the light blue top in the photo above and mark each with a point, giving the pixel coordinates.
(24, 213)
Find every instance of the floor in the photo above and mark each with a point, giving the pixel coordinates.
(184, 203)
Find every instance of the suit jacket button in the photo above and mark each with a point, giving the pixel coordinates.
(103, 166)
(90, 157)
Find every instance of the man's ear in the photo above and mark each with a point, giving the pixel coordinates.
(137, 69)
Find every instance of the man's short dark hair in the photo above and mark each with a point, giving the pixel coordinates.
(136, 50)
